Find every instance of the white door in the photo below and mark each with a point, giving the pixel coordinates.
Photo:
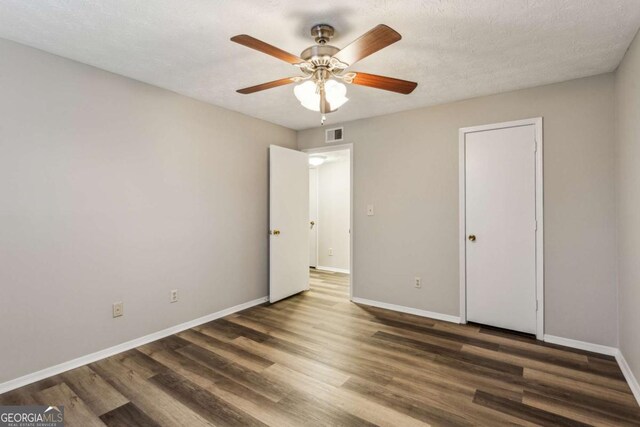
(313, 217)
(500, 179)
(288, 222)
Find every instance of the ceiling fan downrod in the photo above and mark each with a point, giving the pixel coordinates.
(322, 33)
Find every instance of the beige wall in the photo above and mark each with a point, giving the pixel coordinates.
(406, 164)
(628, 203)
(114, 190)
(333, 214)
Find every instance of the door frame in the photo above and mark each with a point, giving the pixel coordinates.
(340, 147)
(537, 123)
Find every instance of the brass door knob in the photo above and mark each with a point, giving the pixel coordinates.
(472, 237)
(312, 223)
(274, 231)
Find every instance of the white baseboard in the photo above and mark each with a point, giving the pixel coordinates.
(581, 345)
(409, 310)
(333, 269)
(107, 352)
(628, 375)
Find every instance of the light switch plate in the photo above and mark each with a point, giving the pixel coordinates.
(369, 210)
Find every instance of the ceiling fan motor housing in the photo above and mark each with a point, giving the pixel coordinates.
(319, 54)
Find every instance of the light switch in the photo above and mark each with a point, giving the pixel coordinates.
(369, 210)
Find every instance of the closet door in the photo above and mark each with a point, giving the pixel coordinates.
(500, 200)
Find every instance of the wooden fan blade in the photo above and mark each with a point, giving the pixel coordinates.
(263, 47)
(381, 82)
(268, 85)
(370, 42)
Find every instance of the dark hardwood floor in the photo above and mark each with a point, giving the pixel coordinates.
(317, 359)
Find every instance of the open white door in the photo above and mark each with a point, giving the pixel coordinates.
(289, 222)
(313, 218)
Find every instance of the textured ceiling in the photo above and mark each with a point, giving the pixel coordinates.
(454, 49)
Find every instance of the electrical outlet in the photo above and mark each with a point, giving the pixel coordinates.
(174, 295)
(330, 251)
(118, 309)
(417, 282)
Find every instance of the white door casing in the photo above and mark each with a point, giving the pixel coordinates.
(289, 222)
(501, 206)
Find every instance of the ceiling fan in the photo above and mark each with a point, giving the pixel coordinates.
(323, 67)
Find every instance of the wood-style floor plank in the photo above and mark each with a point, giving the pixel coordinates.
(126, 416)
(234, 393)
(341, 398)
(317, 359)
(160, 406)
(226, 350)
(240, 374)
(523, 411)
(76, 411)
(577, 412)
(206, 404)
(94, 390)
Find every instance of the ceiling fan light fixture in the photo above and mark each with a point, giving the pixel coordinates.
(316, 160)
(307, 95)
(336, 94)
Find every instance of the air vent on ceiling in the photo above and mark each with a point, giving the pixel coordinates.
(334, 135)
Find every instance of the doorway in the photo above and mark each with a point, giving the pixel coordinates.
(501, 229)
(330, 214)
